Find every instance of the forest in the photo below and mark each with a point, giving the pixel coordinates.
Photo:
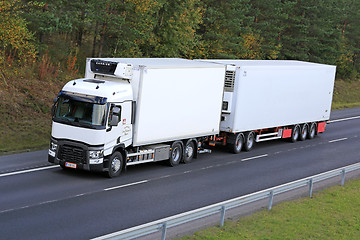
(67, 31)
(44, 43)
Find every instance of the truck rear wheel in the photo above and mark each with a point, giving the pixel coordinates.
(249, 141)
(238, 143)
(304, 132)
(115, 164)
(295, 133)
(189, 152)
(312, 131)
(175, 154)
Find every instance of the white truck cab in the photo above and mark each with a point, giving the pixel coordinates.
(90, 117)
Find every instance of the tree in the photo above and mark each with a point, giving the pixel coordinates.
(269, 21)
(348, 62)
(15, 39)
(310, 33)
(224, 26)
(176, 28)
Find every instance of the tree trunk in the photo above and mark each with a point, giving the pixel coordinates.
(95, 38)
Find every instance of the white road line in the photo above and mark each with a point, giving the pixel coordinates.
(337, 140)
(126, 185)
(27, 171)
(344, 119)
(251, 158)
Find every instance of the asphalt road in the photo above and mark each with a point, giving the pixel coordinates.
(41, 201)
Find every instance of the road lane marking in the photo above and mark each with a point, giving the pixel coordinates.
(251, 158)
(343, 119)
(126, 185)
(28, 171)
(337, 140)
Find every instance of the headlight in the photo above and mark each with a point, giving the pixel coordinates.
(96, 154)
(53, 146)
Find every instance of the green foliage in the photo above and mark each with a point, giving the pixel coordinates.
(348, 62)
(15, 38)
(223, 26)
(325, 31)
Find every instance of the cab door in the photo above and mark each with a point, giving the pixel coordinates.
(120, 113)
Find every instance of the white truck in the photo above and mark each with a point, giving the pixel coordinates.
(128, 111)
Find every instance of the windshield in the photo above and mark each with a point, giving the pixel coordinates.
(80, 113)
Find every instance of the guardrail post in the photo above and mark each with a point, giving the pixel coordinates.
(311, 184)
(223, 209)
(343, 177)
(163, 236)
(271, 198)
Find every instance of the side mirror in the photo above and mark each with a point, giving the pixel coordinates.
(116, 111)
(114, 121)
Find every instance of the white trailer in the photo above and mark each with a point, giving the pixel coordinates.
(128, 111)
(271, 99)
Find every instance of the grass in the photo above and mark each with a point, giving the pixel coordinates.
(346, 94)
(25, 108)
(330, 214)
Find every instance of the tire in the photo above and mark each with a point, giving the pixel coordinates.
(295, 133)
(249, 141)
(238, 143)
(304, 132)
(116, 163)
(312, 131)
(189, 152)
(175, 154)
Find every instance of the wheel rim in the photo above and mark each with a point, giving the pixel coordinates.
(304, 132)
(312, 131)
(250, 140)
(176, 154)
(189, 151)
(238, 142)
(115, 165)
(296, 133)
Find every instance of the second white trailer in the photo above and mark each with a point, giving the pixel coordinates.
(269, 99)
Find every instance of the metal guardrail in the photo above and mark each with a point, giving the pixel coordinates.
(163, 224)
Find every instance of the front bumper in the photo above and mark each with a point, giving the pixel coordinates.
(75, 154)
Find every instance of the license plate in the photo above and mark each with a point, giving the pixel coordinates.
(70, 165)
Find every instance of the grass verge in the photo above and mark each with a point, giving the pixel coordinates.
(330, 214)
(25, 104)
(346, 94)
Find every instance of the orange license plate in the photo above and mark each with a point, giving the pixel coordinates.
(70, 165)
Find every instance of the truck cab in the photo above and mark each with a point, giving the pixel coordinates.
(92, 118)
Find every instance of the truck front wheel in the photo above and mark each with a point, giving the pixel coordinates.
(116, 163)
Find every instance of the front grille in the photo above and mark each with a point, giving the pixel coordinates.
(72, 154)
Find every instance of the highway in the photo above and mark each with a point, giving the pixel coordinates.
(42, 201)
